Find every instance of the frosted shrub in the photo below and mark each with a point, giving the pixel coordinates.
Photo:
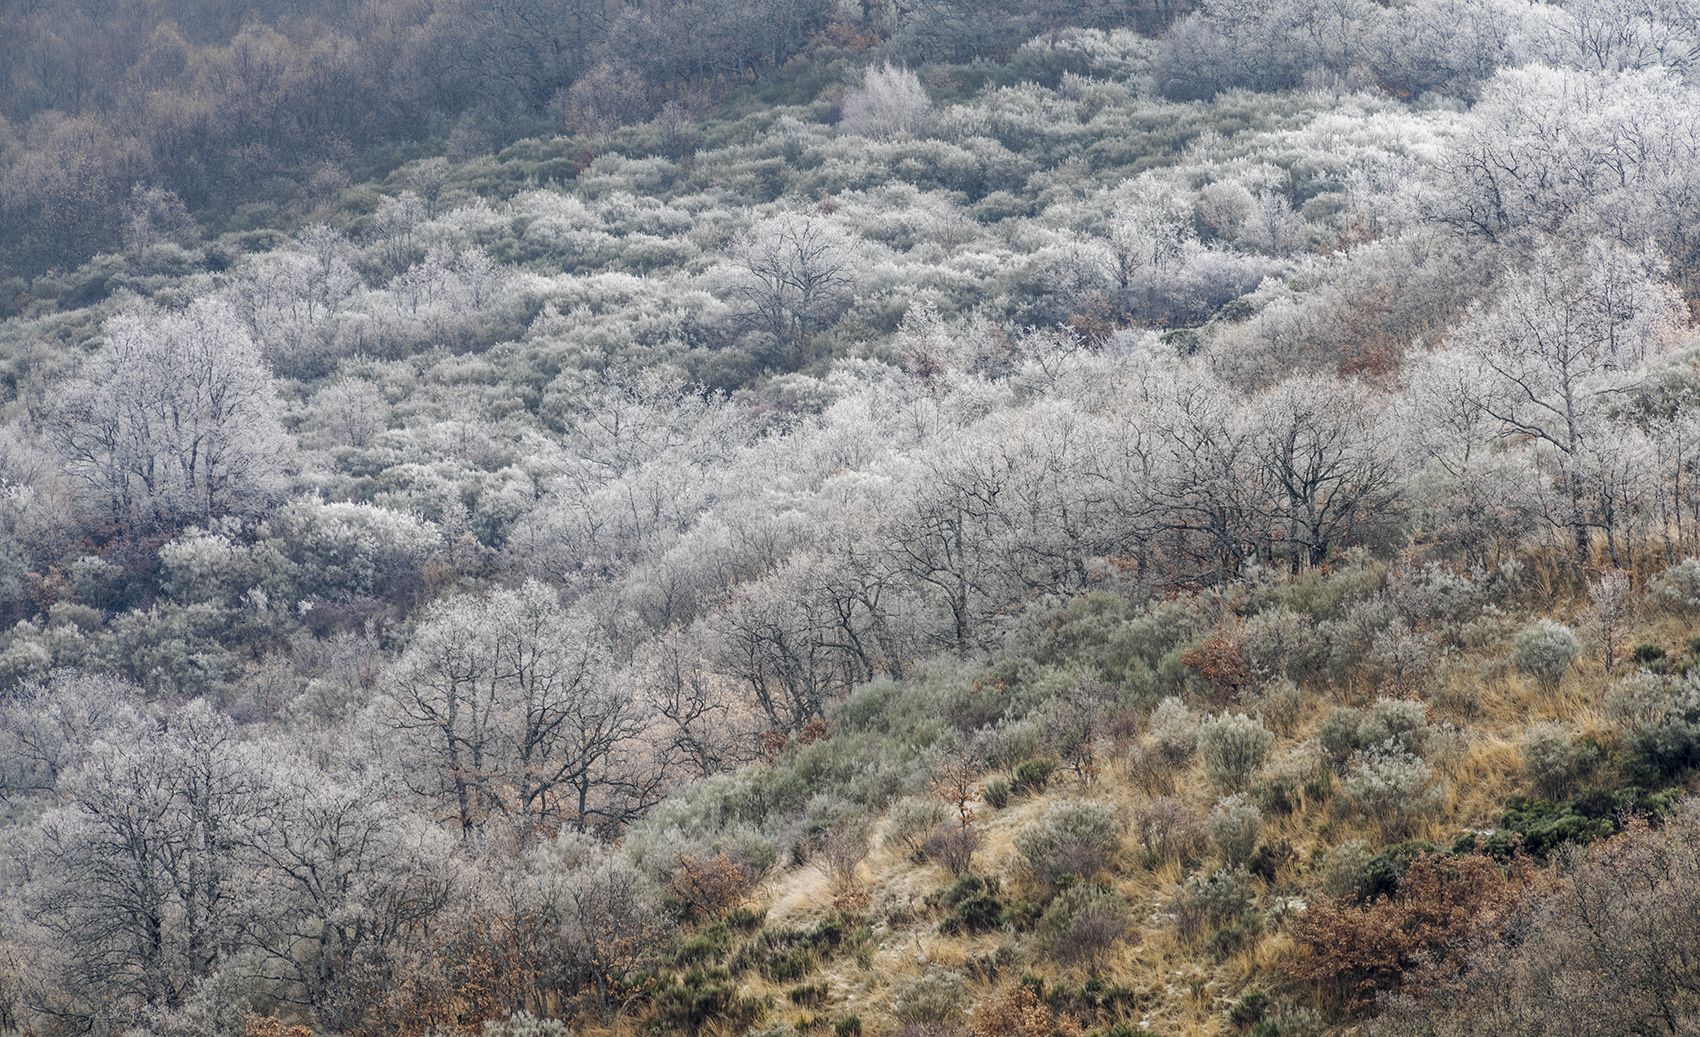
(1174, 728)
(1074, 837)
(1349, 730)
(1235, 825)
(890, 103)
(1554, 763)
(1679, 585)
(1297, 1021)
(524, 1024)
(1545, 651)
(935, 997)
(911, 820)
(1233, 747)
(1637, 701)
(1391, 785)
(1224, 894)
(1344, 868)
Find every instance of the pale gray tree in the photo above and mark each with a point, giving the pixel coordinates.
(1566, 336)
(174, 421)
(510, 704)
(889, 104)
(799, 276)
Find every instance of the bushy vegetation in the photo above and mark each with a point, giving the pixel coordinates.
(960, 518)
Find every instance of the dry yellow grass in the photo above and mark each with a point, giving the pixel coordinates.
(1184, 990)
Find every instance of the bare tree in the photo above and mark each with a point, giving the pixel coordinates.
(800, 275)
(173, 421)
(1556, 350)
(141, 873)
(347, 876)
(890, 103)
(512, 706)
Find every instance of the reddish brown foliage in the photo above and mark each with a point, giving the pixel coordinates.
(272, 1026)
(1098, 320)
(1221, 661)
(712, 886)
(1409, 940)
(773, 742)
(845, 37)
(1020, 1013)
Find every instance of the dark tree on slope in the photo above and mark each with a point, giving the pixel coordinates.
(800, 274)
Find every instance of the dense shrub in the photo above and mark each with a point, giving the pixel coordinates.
(1545, 651)
(1348, 731)
(1391, 785)
(1031, 776)
(1073, 837)
(1174, 728)
(933, 997)
(1554, 762)
(1678, 585)
(1234, 748)
(1084, 922)
(1235, 825)
(1356, 951)
(1222, 895)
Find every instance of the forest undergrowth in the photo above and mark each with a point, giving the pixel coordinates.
(953, 520)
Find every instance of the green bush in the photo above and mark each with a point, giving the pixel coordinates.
(1648, 655)
(847, 1026)
(746, 919)
(700, 997)
(1031, 776)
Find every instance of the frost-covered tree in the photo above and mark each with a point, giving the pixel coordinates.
(1551, 355)
(799, 273)
(890, 103)
(140, 874)
(173, 421)
(509, 705)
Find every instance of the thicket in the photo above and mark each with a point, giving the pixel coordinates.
(966, 474)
